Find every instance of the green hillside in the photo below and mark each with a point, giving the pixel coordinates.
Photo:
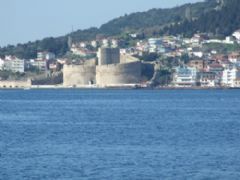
(219, 22)
(150, 22)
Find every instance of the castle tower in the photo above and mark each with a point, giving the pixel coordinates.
(108, 56)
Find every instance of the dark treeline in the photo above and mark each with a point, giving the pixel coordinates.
(218, 22)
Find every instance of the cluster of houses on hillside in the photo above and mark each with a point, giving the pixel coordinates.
(169, 46)
(45, 61)
(205, 67)
(217, 73)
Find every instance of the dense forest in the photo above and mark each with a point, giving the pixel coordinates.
(221, 22)
(186, 19)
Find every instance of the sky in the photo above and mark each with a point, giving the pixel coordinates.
(29, 20)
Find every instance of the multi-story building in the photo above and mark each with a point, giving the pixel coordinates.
(185, 76)
(18, 65)
(218, 70)
(42, 61)
(229, 77)
(206, 79)
(198, 64)
(156, 45)
(41, 65)
(45, 56)
(1, 64)
(14, 64)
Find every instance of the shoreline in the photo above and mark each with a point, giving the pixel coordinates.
(124, 87)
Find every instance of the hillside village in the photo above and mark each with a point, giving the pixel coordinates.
(176, 62)
(175, 56)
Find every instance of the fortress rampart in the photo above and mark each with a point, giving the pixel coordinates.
(16, 84)
(115, 74)
(78, 75)
(111, 69)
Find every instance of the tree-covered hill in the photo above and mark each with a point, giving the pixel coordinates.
(157, 17)
(154, 19)
(218, 22)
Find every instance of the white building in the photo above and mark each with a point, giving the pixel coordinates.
(229, 40)
(237, 83)
(1, 64)
(234, 58)
(105, 43)
(39, 64)
(156, 45)
(185, 77)
(18, 65)
(198, 54)
(229, 77)
(114, 43)
(45, 56)
(206, 79)
(236, 34)
(14, 64)
(94, 44)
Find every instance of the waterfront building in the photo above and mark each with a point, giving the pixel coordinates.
(218, 70)
(229, 77)
(206, 79)
(237, 82)
(185, 76)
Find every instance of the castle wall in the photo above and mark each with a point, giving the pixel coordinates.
(78, 75)
(115, 74)
(15, 84)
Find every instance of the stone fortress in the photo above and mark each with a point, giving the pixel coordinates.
(109, 70)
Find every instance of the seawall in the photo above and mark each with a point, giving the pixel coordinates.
(15, 84)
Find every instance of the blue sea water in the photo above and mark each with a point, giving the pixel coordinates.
(119, 134)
